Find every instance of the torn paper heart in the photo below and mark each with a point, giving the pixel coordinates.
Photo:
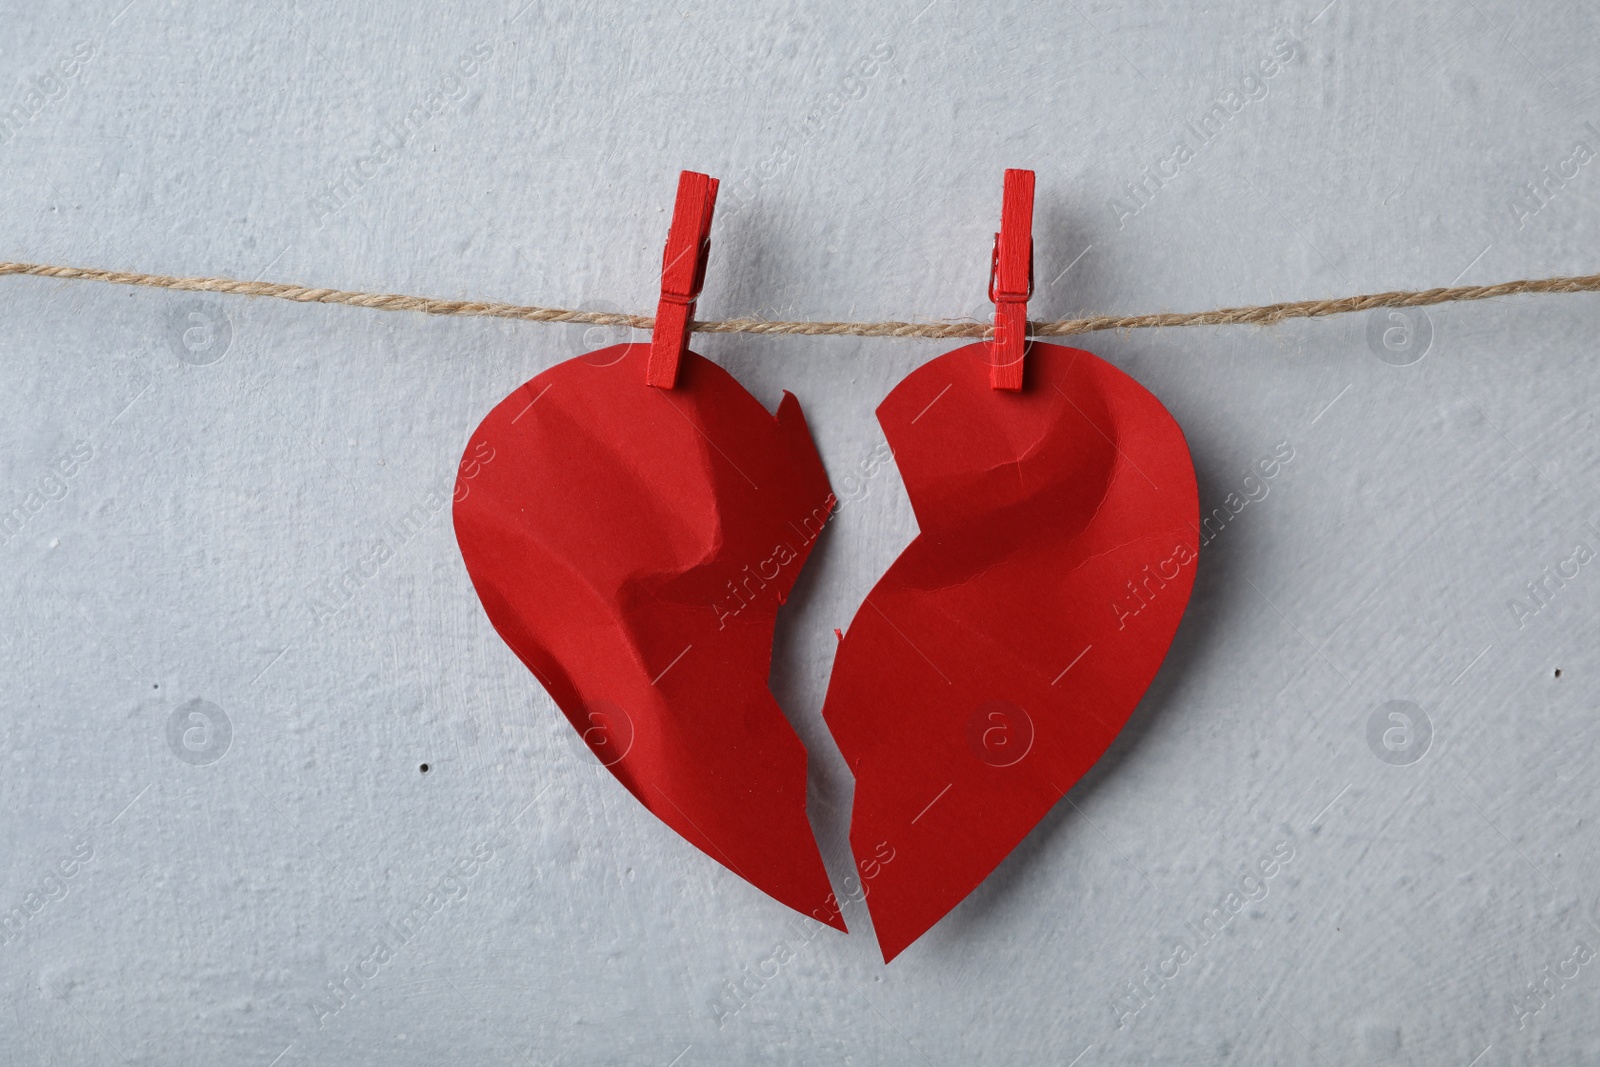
(632, 545)
(1004, 650)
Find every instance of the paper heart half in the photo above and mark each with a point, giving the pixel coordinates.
(1003, 651)
(632, 546)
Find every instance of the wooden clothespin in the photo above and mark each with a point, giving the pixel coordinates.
(683, 274)
(1011, 282)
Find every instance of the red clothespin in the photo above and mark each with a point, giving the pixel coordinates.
(1011, 282)
(683, 273)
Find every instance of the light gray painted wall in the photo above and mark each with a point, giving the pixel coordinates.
(211, 501)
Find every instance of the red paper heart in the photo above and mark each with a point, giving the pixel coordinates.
(632, 546)
(1004, 650)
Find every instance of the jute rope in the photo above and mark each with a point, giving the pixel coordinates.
(1259, 315)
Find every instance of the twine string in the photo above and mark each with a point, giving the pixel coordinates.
(1256, 315)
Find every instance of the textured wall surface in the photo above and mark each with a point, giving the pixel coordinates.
(198, 476)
